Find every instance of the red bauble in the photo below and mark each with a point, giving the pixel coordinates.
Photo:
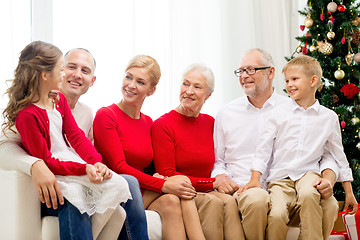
(341, 8)
(322, 17)
(343, 124)
(302, 27)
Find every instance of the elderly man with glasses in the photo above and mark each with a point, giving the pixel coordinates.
(238, 126)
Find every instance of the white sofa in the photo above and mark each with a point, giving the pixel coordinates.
(20, 211)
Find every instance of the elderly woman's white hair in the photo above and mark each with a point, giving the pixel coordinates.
(205, 71)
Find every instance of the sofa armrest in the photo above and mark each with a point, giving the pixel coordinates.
(20, 207)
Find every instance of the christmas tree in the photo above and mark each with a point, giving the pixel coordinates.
(331, 35)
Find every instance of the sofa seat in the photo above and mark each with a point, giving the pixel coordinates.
(20, 207)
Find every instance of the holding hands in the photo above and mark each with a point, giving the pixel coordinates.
(224, 184)
(98, 172)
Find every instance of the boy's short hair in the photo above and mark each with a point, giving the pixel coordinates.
(310, 66)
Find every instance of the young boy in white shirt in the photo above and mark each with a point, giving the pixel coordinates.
(297, 135)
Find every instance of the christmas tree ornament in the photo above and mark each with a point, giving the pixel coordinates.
(343, 124)
(322, 13)
(302, 27)
(343, 40)
(350, 90)
(356, 21)
(339, 74)
(358, 146)
(355, 35)
(325, 48)
(332, 7)
(299, 49)
(313, 48)
(357, 57)
(308, 21)
(355, 120)
(335, 98)
(349, 58)
(341, 8)
(330, 35)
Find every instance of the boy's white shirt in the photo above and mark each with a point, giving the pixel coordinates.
(13, 157)
(297, 139)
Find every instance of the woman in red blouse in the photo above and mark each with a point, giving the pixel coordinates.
(183, 145)
(122, 136)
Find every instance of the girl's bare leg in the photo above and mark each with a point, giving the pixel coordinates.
(169, 208)
(191, 220)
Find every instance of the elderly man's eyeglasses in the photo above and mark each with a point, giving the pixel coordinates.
(249, 71)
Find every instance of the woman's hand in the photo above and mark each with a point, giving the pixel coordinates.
(180, 186)
(93, 174)
(103, 170)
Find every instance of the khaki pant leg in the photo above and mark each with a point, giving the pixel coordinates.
(311, 213)
(211, 214)
(330, 209)
(282, 200)
(253, 205)
(232, 223)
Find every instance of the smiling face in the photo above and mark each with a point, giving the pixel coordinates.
(258, 83)
(300, 86)
(137, 85)
(79, 70)
(55, 77)
(193, 92)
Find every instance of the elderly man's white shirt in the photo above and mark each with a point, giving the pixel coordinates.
(297, 139)
(13, 157)
(238, 126)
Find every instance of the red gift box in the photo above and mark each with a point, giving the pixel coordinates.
(338, 235)
(352, 224)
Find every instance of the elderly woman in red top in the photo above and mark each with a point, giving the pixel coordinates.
(183, 145)
(122, 136)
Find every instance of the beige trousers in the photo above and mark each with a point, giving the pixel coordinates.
(219, 216)
(232, 223)
(300, 200)
(253, 204)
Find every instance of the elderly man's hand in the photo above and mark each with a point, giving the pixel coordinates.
(46, 184)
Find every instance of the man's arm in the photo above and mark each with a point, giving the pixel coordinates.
(13, 157)
(326, 183)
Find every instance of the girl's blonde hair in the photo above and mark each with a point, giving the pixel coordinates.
(149, 63)
(35, 58)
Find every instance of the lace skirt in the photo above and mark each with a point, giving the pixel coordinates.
(93, 198)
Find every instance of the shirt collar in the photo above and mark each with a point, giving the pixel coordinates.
(270, 102)
(295, 106)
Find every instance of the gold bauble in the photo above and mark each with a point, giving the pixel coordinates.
(326, 47)
(308, 22)
(357, 57)
(348, 58)
(358, 146)
(355, 120)
(298, 49)
(339, 74)
(330, 35)
(312, 48)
